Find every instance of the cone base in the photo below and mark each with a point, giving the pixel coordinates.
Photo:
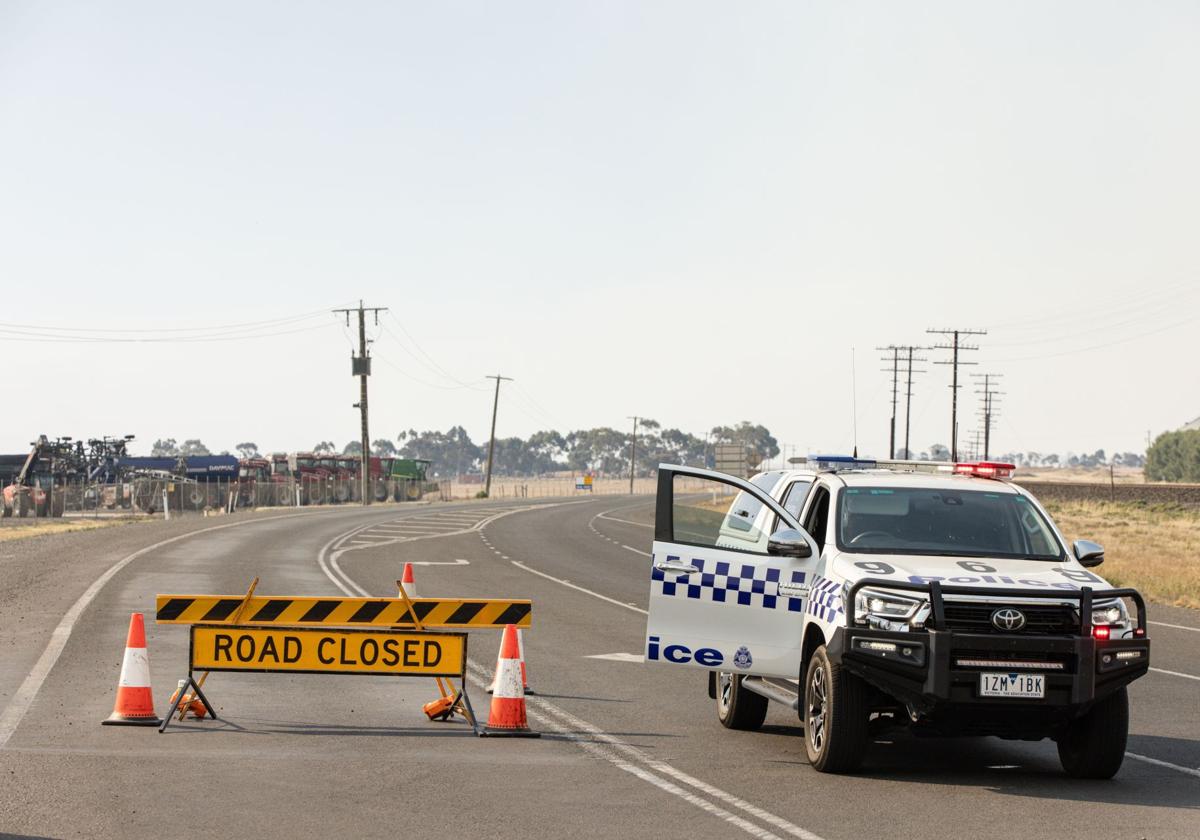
(117, 720)
(493, 732)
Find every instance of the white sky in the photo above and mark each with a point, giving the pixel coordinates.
(690, 211)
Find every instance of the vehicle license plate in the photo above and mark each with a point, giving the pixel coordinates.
(1021, 686)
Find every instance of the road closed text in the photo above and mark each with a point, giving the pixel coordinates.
(303, 650)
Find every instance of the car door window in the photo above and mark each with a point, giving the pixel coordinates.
(817, 520)
(793, 501)
(710, 512)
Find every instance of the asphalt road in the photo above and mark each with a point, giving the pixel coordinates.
(629, 749)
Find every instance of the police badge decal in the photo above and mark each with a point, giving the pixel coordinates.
(743, 659)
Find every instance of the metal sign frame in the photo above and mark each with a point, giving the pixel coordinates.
(183, 698)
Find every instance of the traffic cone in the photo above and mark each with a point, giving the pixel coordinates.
(507, 715)
(135, 703)
(192, 703)
(524, 672)
(407, 583)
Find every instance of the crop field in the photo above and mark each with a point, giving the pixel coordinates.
(1154, 548)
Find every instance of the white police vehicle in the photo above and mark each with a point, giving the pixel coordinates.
(873, 594)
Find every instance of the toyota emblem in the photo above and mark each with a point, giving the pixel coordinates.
(1008, 619)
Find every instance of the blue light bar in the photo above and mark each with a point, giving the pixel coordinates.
(840, 462)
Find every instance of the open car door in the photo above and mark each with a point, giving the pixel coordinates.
(729, 576)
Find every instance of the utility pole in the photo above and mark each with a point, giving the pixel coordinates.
(895, 351)
(987, 409)
(955, 347)
(487, 488)
(633, 453)
(908, 394)
(361, 367)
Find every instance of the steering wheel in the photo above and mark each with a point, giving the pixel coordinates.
(858, 537)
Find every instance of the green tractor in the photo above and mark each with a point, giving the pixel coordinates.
(410, 478)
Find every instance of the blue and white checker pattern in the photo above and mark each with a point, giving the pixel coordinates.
(722, 582)
(825, 599)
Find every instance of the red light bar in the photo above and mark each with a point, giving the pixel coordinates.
(1100, 631)
(985, 469)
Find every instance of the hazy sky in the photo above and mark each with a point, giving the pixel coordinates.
(689, 211)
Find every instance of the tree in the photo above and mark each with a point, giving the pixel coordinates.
(247, 450)
(165, 448)
(757, 437)
(325, 446)
(383, 446)
(452, 452)
(193, 447)
(354, 447)
(939, 452)
(1174, 456)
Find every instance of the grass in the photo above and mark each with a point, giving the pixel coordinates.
(1153, 548)
(40, 527)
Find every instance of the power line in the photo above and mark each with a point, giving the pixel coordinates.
(215, 328)
(955, 347)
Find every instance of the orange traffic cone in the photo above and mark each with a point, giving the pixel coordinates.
(135, 704)
(524, 671)
(407, 583)
(507, 716)
(193, 703)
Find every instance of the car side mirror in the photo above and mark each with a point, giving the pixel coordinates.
(788, 542)
(1088, 553)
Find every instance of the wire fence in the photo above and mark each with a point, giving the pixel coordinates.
(171, 496)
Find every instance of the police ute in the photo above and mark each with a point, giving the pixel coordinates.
(874, 594)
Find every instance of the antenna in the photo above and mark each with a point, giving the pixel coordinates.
(854, 397)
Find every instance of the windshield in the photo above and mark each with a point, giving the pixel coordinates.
(973, 523)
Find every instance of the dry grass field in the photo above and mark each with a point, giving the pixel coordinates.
(1155, 549)
(23, 528)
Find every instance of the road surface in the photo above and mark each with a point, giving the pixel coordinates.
(629, 750)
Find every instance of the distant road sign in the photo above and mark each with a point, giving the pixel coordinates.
(304, 650)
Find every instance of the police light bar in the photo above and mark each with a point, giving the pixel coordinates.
(840, 462)
(985, 469)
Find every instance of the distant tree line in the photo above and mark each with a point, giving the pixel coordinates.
(602, 450)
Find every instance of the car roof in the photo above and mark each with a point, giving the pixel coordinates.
(928, 481)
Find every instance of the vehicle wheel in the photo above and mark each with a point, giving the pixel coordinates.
(835, 715)
(413, 491)
(381, 491)
(1093, 746)
(342, 493)
(737, 707)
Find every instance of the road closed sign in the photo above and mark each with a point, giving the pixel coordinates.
(302, 650)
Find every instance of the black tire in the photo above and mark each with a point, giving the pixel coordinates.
(738, 707)
(1093, 746)
(835, 715)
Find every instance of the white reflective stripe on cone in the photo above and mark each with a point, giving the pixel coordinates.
(508, 681)
(135, 669)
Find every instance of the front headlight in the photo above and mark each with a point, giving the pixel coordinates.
(889, 606)
(1112, 614)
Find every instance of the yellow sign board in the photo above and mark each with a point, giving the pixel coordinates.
(303, 650)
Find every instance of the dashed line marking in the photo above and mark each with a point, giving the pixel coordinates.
(1175, 673)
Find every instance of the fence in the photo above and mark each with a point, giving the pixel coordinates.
(179, 496)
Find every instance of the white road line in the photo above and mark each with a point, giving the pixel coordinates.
(570, 585)
(635, 754)
(1176, 626)
(1177, 767)
(625, 521)
(1175, 673)
(611, 746)
(10, 719)
(636, 550)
